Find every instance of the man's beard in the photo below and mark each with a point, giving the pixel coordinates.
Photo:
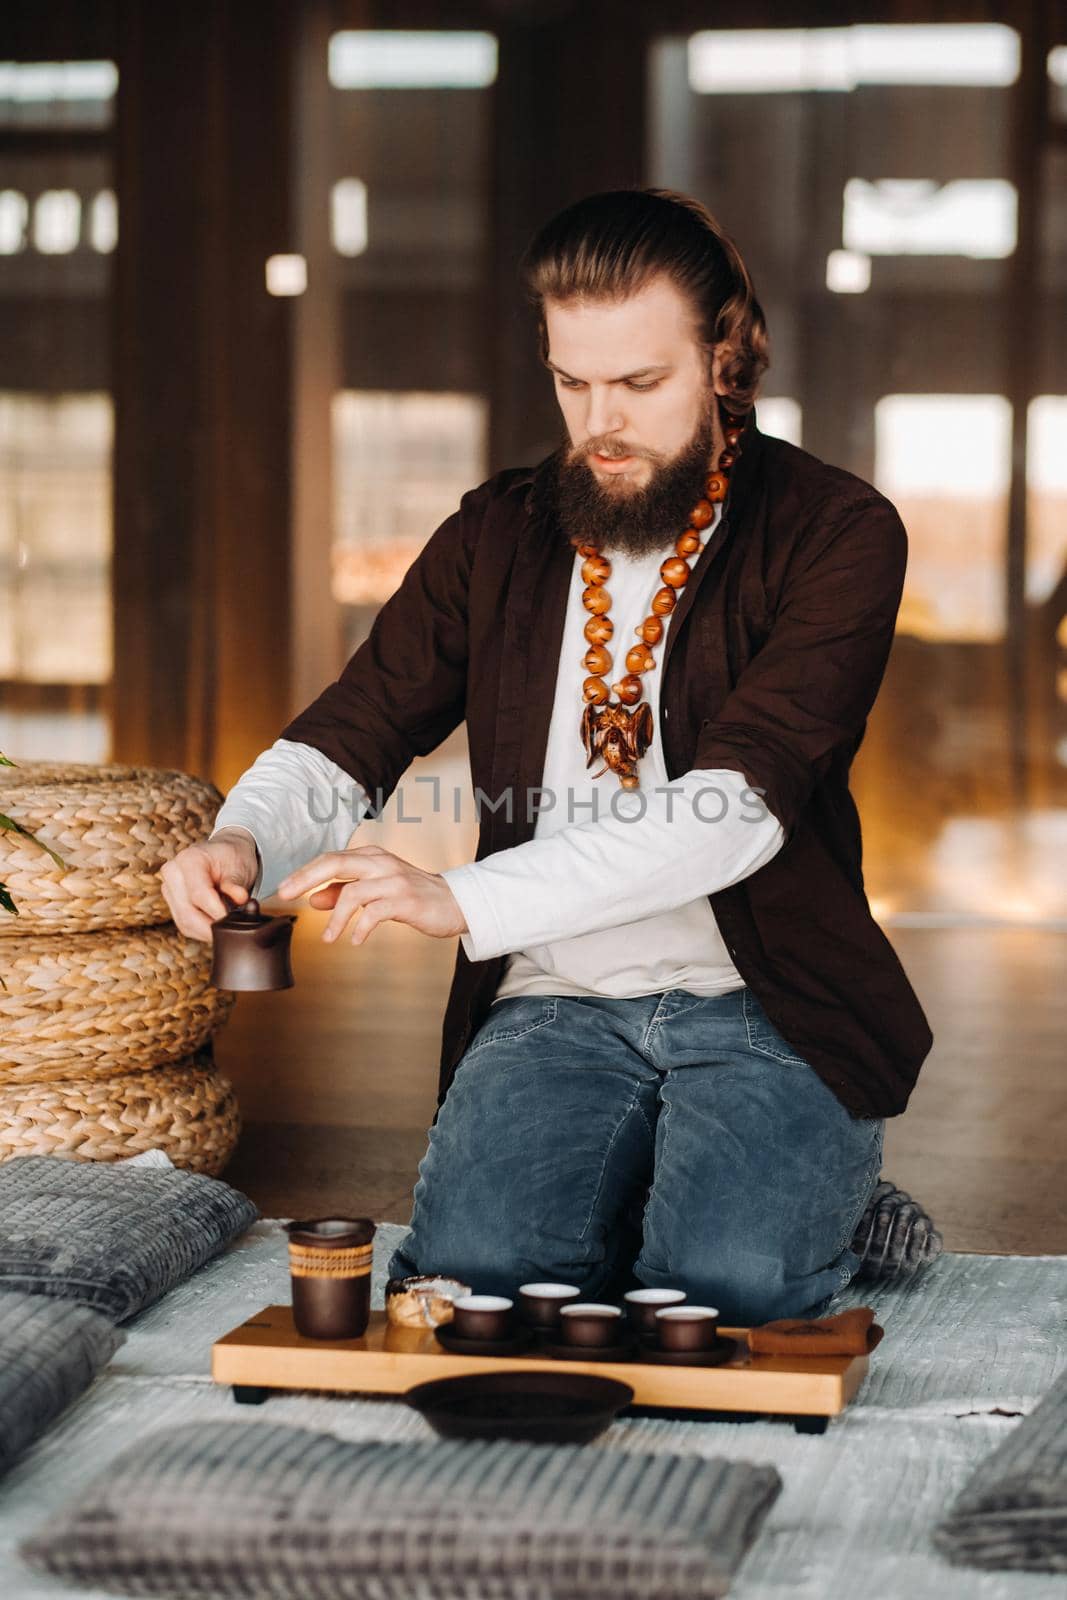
(635, 522)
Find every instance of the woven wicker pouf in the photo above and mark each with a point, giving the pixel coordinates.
(106, 1020)
(100, 1005)
(114, 826)
(188, 1110)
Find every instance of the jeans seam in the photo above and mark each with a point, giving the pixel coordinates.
(653, 1024)
(659, 1162)
(873, 1168)
(598, 1191)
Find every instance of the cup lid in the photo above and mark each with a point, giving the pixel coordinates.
(687, 1313)
(655, 1297)
(246, 918)
(331, 1233)
(591, 1308)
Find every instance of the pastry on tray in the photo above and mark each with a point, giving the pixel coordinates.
(422, 1302)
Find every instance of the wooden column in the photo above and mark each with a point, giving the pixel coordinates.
(317, 629)
(569, 121)
(202, 381)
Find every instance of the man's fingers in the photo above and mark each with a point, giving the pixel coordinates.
(320, 871)
(207, 899)
(380, 911)
(188, 918)
(194, 883)
(325, 899)
(352, 899)
(197, 926)
(337, 864)
(196, 905)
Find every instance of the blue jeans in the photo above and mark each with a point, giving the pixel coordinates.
(664, 1140)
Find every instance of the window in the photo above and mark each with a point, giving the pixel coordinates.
(945, 462)
(401, 464)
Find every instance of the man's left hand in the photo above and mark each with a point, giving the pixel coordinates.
(368, 881)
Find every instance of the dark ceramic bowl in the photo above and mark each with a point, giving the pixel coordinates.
(687, 1327)
(591, 1324)
(540, 1407)
(483, 1316)
(541, 1303)
(642, 1305)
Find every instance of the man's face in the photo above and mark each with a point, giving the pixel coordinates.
(641, 414)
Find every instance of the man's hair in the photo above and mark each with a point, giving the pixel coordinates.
(610, 245)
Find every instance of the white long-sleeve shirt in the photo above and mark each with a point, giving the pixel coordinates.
(610, 895)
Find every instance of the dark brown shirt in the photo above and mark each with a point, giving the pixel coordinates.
(771, 664)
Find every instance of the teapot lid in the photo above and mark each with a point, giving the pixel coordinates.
(242, 917)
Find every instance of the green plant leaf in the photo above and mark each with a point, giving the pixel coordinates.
(6, 901)
(4, 761)
(9, 825)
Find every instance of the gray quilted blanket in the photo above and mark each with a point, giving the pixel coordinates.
(1013, 1510)
(250, 1509)
(111, 1237)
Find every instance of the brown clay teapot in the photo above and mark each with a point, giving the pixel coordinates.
(251, 949)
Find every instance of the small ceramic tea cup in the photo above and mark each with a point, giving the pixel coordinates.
(687, 1327)
(590, 1324)
(642, 1304)
(482, 1316)
(541, 1303)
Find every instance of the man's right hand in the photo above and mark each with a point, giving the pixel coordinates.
(197, 878)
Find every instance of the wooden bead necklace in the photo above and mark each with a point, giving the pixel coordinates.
(609, 730)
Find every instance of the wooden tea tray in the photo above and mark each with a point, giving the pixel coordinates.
(267, 1353)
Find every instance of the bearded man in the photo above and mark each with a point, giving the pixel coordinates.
(675, 1030)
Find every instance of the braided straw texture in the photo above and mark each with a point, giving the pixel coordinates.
(307, 1262)
(114, 827)
(101, 1005)
(187, 1110)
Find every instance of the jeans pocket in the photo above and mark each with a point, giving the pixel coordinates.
(763, 1036)
(514, 1018)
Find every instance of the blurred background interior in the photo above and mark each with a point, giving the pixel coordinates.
(259, 330)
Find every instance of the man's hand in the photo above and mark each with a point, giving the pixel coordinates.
(198, 876)
(369, 880)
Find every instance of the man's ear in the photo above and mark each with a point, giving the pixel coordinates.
(722, 352)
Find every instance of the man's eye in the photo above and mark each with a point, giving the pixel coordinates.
(576, 383)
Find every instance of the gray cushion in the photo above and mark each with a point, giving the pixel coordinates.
(50, 1350)
(238, 1508)
(1013, 1511)
(113, 1238)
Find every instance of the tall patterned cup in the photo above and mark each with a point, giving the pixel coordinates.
(329, 1267)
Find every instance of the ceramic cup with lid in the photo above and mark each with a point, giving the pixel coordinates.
(251, 949)
(329, 1269)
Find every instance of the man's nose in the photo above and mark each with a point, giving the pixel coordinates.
(604, 414)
